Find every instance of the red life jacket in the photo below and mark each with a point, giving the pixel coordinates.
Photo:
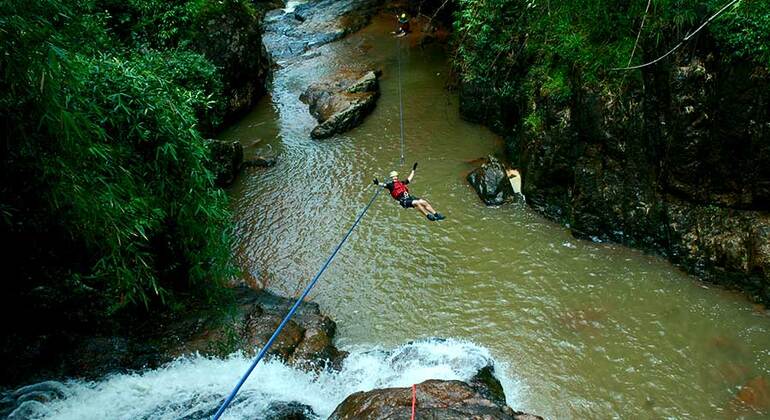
(399, 188)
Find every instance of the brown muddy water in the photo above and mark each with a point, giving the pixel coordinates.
(584, 329)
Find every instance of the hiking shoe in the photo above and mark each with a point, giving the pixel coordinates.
(438, 216)
(431, 217)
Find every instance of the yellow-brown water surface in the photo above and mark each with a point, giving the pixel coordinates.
(585, 329)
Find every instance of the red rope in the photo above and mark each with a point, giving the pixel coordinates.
(414, 398)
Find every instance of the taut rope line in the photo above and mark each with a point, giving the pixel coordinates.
(293, 309)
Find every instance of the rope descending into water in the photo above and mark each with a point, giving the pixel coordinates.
(293, 309)
(414, 399)
(400, 98)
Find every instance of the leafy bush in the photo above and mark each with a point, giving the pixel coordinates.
(103, 159)
(539, 48)
(503, 41)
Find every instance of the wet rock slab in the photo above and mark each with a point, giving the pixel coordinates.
(313, 24)
(341, 103)
(482, 398)
(306, 341)
(728, 245)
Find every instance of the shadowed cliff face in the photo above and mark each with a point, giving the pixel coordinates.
(678, 163)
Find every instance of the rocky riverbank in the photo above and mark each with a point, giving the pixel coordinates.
(306, 344)
(246, 324)
(678, 164)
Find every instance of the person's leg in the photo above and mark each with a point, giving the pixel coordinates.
(427, 206)
(418, 204)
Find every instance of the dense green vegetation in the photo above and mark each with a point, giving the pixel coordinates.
(106, 191)
(522, 48)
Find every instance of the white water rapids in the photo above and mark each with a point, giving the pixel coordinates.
(193, 387)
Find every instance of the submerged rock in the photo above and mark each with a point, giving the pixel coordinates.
(289, 411)
(341, 103)
(435, 399)
(30, 400)
(753, 396)
(491, 182)
(260, 162)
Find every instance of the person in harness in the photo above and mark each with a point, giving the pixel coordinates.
(403, 25)
(400, 192)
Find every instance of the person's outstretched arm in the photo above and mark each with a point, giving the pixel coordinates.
(377, 183)
(411, 174)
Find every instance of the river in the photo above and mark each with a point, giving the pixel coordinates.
(576, 328)
(586, 329)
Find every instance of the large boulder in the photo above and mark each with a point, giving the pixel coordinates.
(491, 182)
(260, 162)
(232, 40)
(226, 160)
(341, 103)
(435, 399)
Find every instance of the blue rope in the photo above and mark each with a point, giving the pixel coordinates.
(293, 309)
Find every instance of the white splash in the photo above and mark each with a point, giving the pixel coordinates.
(292, 4)
(193, 387)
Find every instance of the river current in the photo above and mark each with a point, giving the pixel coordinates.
(575, 328)
(588, 329)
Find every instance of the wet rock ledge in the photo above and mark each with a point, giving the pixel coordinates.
(481, 398)
(305, 342)
(313, 24)
(247, 324)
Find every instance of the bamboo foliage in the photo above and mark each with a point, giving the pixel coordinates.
(101, 144)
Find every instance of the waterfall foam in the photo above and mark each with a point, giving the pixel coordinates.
(192, 387)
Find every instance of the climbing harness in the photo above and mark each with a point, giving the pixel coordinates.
(400, 98)
(294, 309)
